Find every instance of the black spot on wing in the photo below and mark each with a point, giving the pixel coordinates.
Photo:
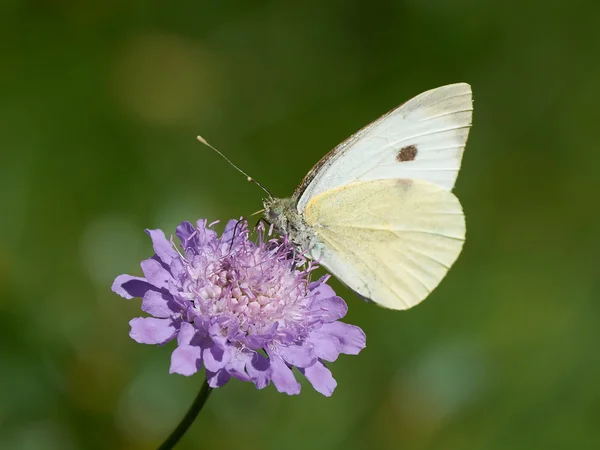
(408, 153)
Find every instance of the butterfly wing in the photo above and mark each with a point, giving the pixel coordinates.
(423, 138)
(391, 241)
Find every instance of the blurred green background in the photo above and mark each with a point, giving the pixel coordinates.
(100, 103)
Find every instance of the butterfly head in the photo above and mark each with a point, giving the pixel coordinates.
(282, 213)
(277, 211)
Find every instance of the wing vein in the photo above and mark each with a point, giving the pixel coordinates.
(403, 230)
(432, 169)
(444, 114)
(429, 133)
(415, 277)
(431, 258)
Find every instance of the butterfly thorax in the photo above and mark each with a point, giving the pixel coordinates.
(282, 213)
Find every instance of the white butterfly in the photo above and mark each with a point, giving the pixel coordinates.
(378, 210)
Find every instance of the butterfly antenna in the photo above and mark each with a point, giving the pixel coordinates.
(250, 179)
(257, 212)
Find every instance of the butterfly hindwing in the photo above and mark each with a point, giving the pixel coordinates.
(391, 241)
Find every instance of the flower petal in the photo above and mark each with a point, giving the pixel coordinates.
(217, 379)
(352, 339)
(282, 376)
(186, 233)
(204, 234)
(156, 274)
(320, 289)
(148, 330)
(216, 327)
(258, 341)
(329, 309)
(186, 360)
(159, 304)
(128, 286)
(177, 268)
(162, 247)
(186, 333)
(321, 379)
(215, 357)
(237, 367)
(228, 235)
(326, 346)
(259, 369)
(297, 355)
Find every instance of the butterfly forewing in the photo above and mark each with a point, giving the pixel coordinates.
(423, 138)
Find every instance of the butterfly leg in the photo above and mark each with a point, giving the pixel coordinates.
(234, 232)
(265, 221)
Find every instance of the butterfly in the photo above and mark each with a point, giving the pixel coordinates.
(377, 211)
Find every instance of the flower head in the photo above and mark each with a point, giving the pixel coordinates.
(239, 307)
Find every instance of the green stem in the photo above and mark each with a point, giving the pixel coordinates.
(188, 419)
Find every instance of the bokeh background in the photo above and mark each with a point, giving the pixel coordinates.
(100, 103)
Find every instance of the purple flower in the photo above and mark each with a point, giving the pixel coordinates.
(240, 308)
